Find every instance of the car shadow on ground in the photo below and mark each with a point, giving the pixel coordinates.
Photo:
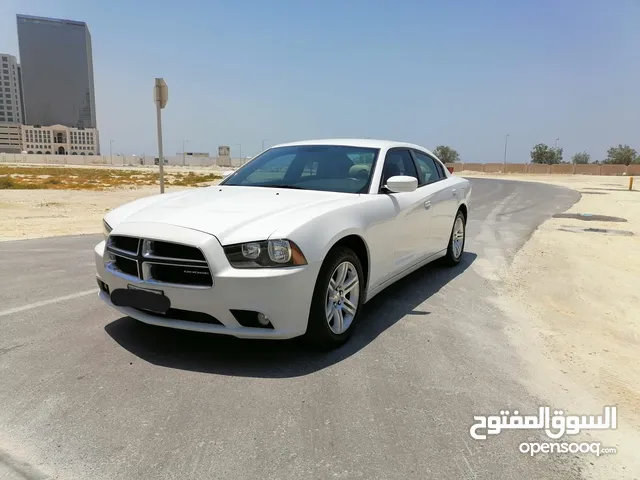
(224, 355)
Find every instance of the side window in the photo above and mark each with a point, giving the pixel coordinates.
(429, 171)
(398, 162)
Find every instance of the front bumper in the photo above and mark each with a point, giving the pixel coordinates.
(283, 294)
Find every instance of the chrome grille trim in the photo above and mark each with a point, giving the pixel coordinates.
(144, 259)
(113, 268)
(192, 263)
(120, 251)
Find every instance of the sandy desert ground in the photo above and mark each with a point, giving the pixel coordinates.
(44, 213)
(573, 296)
(574, 299)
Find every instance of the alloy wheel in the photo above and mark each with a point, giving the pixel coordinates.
(342, 297)
(458, 237)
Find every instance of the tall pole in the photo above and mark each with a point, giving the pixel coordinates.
(160, 97)
(111, 152)
(506, 139)
(160, 155)
(183, 154)
(266, 139)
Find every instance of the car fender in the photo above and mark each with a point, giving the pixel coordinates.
(316, 236)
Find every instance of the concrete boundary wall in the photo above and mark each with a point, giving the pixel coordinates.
(540, 168)
(118, 160)
(190, 161)
(586, 169)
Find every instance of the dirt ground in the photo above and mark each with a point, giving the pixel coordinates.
(37, 213)
(43, 213)
(574, 298)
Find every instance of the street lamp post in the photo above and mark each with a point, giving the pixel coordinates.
(265, 140)
(160, 98)
(111, 152)
(183, 153)
(506, 139)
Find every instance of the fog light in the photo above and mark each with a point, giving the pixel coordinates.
(263, 319)
(103, 286)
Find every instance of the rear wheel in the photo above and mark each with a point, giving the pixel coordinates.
(337, 299)
(457, 240)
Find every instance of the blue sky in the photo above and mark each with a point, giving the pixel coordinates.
(462, 73)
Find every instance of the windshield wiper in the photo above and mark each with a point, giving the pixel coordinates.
(294, 187)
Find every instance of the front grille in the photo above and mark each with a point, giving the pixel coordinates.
(175, 250)
(158, 261)
(186, 315)
(190, 275)
(126, 265)
(127, 244)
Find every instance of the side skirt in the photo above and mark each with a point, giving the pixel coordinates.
(372, 293)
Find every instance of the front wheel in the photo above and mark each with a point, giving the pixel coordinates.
(337, 299)
(457, 240)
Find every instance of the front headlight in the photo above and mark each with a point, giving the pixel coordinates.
(106, 229)
(266, 253)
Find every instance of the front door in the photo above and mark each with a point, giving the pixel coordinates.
(414, 210)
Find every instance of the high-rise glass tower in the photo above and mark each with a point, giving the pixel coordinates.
(57, 72)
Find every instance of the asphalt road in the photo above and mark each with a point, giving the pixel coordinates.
(87, 393)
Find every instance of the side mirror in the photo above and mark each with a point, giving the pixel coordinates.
(402, 183)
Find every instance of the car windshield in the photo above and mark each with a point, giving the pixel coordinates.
(333, 168)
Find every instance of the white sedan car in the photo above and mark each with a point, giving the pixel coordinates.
(291, 244)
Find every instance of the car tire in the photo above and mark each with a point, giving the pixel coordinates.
(457, 240)
(331, 322)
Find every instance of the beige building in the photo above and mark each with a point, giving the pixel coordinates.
(10, 137)
(11, 102)
(60, 140)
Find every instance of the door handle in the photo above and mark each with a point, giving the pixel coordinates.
(427, 205)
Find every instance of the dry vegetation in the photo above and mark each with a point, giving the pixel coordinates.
(56, 178)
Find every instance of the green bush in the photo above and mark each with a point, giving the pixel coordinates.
(6, 183)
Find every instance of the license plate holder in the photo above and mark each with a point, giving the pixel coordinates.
(141, 298)
(151, 290)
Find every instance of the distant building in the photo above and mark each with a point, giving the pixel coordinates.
(60, 140)
(11, 106)
(194, 154)
(57, 72)
(10, 137)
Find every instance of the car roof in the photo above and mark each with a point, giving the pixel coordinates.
(357, 142)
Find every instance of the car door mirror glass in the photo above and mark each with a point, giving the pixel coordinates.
(402, 183)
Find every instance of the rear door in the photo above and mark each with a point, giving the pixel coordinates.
(444, 200)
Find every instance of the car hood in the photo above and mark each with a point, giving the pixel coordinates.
(233, 214)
